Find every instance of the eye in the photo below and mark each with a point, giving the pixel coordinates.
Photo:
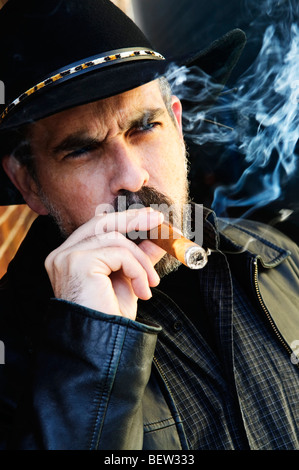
(147, 126)
(80, 152)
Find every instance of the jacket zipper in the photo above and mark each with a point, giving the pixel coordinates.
(162, 374)
(265, 310)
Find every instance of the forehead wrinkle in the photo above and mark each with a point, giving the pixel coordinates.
(114, 113)
(131, 105)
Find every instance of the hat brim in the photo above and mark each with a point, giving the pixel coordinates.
(217, 60)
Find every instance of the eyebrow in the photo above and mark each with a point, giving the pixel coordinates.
(81, 138)
(74, 141)
(143, 117)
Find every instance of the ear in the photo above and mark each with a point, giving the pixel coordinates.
(176, 107)
(23, 181)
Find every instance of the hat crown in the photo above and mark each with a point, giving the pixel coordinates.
(39, 38)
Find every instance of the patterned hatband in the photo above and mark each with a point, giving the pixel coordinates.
(111, 57)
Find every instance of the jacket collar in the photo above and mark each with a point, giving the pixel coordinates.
(241, 235)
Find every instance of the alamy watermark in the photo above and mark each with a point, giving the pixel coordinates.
(295, 353)
(187, 218)
(2, 353)
(2, 93)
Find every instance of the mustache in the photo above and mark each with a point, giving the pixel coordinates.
(150, 197)
(145, 197)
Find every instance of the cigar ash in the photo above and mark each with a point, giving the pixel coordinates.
(196, 257)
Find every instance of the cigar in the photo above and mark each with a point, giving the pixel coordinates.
(171, 240)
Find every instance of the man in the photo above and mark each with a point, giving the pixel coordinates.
(99, 352)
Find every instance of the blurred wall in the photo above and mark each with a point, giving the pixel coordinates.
(14, 224)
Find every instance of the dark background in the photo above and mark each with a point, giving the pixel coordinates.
(180, 26)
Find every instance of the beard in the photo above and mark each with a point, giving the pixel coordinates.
(145, 197)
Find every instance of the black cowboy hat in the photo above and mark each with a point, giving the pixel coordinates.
(57, 54)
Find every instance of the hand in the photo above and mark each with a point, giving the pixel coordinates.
(99, 268)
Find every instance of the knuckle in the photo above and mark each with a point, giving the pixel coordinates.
(101, 226)
(111, 235)
(65, 261)
(57, 262)
(73, 259)
(123, 252)
(50, 260)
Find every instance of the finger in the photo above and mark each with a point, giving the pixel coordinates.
(110, 261)
(129, 221)
(116, 221)
(112, 239)
(116, 239)
(153, 251)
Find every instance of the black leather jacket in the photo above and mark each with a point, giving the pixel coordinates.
(75, 378)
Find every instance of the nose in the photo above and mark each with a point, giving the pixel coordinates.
(128, 169)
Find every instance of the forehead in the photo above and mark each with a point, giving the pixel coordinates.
(98, 115)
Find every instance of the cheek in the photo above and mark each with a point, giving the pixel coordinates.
(78, 193)
(168, 166)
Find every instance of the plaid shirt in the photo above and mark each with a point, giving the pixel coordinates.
(235, 388)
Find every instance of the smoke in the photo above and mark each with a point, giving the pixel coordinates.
(259, 118)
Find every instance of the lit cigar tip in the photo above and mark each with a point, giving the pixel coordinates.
(196, 257)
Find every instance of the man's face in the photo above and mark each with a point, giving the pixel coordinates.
(91, 154)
